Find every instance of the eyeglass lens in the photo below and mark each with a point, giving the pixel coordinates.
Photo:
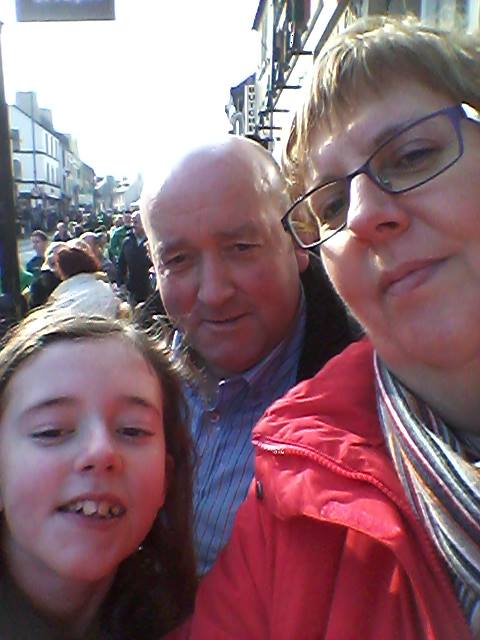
(409, 159)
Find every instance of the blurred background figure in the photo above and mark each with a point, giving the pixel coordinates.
(61, 234)
(97, 243)
(134, 263)
(47, 279)
(82, 289)
(123, 225)
(39, 244)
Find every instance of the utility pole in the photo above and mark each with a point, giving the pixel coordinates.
(8, 240)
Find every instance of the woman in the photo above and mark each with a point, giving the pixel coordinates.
(95, 483)
(83, 289)
(364, 520)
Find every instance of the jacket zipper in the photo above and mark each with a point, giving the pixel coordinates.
(279, 448)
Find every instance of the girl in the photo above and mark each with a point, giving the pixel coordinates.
(95, 483)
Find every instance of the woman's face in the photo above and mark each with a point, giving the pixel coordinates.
(82, 461)
(407, 265)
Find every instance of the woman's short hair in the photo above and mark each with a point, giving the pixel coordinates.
(369, 56)
(154, 588)
(72, 260)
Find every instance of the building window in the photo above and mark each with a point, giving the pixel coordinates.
(15, 137)
(17, 169)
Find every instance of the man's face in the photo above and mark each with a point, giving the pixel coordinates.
(137, 225)
(227, 271)
(39, 245)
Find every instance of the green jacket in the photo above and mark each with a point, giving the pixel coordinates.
(116, 241)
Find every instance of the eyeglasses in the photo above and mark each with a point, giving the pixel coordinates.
(413, 156)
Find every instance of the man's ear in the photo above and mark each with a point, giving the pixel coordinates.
(303, 259)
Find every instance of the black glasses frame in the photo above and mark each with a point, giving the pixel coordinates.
(455, 114)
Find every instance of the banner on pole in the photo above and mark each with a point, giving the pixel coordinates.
(56, 10)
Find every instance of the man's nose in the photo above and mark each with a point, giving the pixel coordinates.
(374, 215)
(215, 282)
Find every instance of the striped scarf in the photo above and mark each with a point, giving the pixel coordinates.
(441, 480)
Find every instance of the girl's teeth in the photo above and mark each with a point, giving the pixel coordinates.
(89, 507)
(103, 509)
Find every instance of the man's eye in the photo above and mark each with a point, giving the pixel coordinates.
(177, 261)
(243, 246)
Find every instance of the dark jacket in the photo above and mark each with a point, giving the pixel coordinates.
(133, 268)
(34, 265)
(329, 326)
(41, 287)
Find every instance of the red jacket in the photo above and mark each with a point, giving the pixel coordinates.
(326, 545)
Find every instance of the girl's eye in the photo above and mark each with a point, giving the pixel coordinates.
(134, 432)
(51, 434)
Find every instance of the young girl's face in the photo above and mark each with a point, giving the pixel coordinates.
(82, 460)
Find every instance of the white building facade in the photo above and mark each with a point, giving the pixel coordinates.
(47, 170)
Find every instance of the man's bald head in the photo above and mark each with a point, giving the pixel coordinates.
(235, 154)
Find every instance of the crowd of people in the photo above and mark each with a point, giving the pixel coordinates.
(282, 442)
(117, 256)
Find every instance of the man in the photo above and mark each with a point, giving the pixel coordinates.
(39, 244)
(61, 234)
(229, 279)
(118, 235)
(134, 263)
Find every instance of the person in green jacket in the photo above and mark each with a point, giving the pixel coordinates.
(118, 236)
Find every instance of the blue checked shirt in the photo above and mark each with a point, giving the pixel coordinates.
(221, 429)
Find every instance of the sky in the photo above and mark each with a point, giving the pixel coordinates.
(139, 91)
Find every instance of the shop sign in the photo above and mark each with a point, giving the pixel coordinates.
(59, 10)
